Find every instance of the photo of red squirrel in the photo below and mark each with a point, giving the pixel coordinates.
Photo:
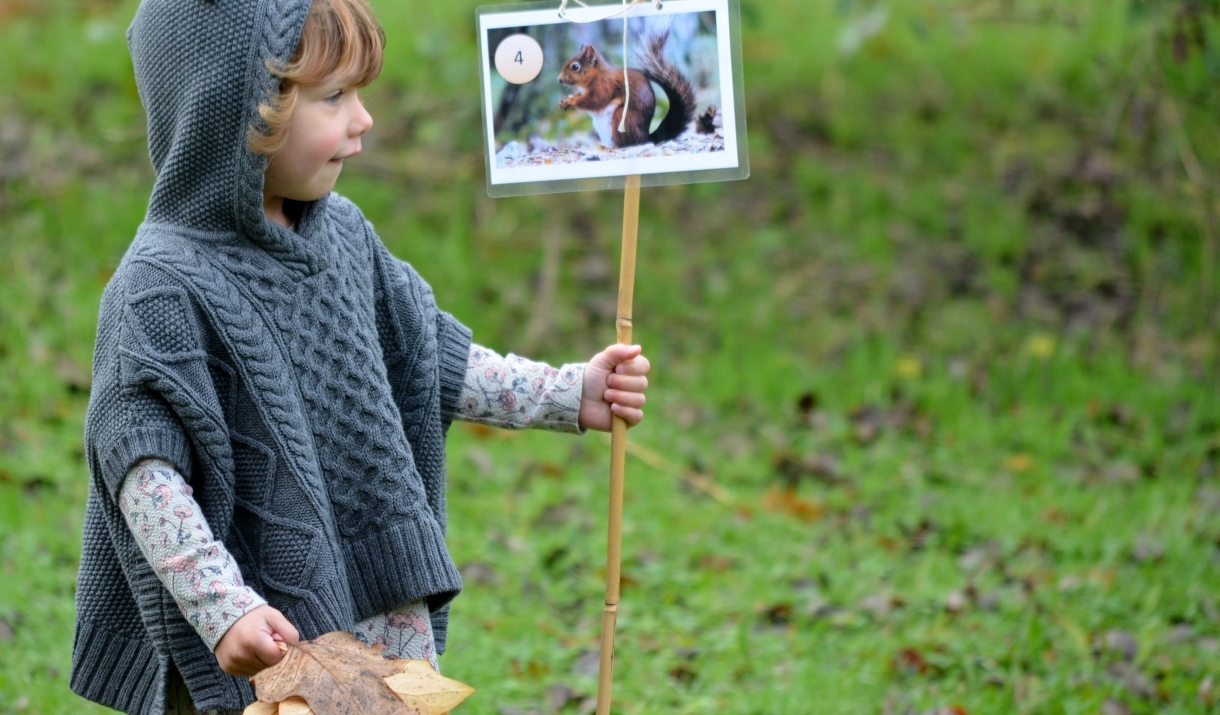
(600, 90)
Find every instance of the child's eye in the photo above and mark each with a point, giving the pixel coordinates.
(332, 98)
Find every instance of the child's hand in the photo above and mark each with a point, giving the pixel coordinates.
(614, 386)
(251, 643)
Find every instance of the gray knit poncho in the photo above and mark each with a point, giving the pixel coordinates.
(302, 381)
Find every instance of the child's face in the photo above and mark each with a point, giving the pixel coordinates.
(325, 129)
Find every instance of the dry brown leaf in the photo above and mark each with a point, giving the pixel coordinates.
(425, 689)
(258, 707)
(785, 501)
(295, 706)
(337, 675)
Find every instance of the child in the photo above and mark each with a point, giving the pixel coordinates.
(272, 389)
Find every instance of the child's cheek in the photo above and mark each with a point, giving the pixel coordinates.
(331, 141)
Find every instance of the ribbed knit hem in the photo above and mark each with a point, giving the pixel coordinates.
(327, 607)
(453, 352)
(137, 687)
(117, 672)
(404, 563)
(142, 443)
(210, 687)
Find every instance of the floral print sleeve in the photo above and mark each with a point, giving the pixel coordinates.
(515, 393)
(405, 631)
(197, 570)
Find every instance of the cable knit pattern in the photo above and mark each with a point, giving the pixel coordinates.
(200, 573)
(300, 382)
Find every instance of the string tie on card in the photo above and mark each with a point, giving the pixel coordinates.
(563, 12)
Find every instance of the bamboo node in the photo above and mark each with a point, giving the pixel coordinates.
(612, 608)
(623, 322)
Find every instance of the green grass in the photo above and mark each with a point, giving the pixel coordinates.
(971, 244)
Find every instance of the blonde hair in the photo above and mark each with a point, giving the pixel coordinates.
(338, 34)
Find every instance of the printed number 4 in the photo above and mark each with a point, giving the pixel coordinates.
(519, 59)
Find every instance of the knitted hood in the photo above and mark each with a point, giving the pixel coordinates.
(201, 69)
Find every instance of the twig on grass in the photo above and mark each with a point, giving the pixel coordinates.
(699, 481)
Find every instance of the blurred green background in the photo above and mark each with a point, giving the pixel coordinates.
(934, 422)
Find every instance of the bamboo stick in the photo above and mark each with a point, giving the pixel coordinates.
(618, 449)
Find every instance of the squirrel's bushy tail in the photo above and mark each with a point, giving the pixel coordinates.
(677, 88)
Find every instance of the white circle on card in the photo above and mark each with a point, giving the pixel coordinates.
(519, 59)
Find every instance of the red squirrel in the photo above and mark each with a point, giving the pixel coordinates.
(600, 92)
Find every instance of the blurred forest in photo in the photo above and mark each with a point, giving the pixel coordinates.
(530, 113)
(933, 424)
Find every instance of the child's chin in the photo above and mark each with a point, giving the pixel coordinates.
(313, 194)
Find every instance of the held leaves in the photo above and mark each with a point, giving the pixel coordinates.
(336, 674)
(295, 706)
(424, 688)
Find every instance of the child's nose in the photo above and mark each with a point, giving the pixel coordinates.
(362, 122)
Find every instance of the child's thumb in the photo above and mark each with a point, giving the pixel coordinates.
(267, 649)
(280, 626)
(619, 353)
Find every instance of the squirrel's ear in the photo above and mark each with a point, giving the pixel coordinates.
(587, 51)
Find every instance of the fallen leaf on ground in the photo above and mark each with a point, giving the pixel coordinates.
(794, 469)
(1133, 679)
(559, 696)
(1019, 463)
(881, 605)
(868, 422)
(588, 663)
(779, 614)
(956, 601)
(909, 661)
(418, 685)
(1122, 644)
(785, 501)
(683, 674)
